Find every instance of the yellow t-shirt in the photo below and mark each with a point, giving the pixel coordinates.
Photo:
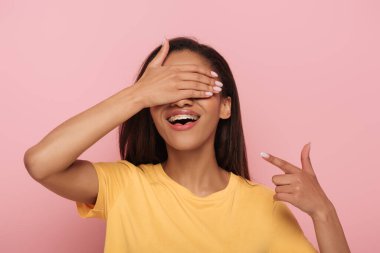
(147, 211)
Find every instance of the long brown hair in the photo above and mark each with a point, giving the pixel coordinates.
(140, 142)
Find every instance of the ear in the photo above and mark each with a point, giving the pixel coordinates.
(225, 108)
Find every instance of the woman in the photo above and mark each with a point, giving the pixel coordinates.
(183, 183)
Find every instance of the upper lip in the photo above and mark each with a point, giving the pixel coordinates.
(181, 111)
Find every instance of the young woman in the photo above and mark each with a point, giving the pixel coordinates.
(182, 184)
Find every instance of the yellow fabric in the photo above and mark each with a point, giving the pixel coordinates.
(147, 211)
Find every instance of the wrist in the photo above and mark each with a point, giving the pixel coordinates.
(324, 214)
(124, 104)
(132, 97)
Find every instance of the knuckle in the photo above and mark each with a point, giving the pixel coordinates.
(291, 168)
(275, 160)
(172, 67)
(177, 85)
(281, 162)
(173, 75)
(196, 85)
(177, 75)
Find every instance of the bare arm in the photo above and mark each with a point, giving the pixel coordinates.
(329, 232)
(63, 145)
(300, 187)
(53, 161)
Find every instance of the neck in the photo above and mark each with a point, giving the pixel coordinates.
(196, 169)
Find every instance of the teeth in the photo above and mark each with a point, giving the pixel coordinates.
(182, 116)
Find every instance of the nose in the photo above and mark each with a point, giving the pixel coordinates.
(182, 102)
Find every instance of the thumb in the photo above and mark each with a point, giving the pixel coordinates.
(161, 55)
(305, 159)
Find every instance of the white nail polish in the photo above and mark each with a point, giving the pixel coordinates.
(265, 155)
(214, 74)
(218, 83)
(216, 88)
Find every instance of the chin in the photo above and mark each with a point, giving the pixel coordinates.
(185, 144)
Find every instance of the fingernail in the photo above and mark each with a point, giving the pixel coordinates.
(163, 42)
(214, 74)
(220, 84)
(208, 93)
(265, 155)
(216, 88)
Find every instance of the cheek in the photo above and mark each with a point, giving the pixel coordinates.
(158, 121)
(154, 113)
(212, 107)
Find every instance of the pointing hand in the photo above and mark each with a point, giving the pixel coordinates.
(299, 187)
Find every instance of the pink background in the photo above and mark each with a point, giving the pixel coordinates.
(305, 70)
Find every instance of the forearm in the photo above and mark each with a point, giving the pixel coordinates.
(64, 144)
(329, 232)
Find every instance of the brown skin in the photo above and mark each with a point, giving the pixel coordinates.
(191, 163)
(191, 156)
(54, 162)
(300, 187)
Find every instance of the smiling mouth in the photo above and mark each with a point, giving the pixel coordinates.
(182, 120)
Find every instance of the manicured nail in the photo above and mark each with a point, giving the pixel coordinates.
(216, 88)
(214, 74)
(220, 84)
(163, 42)
(265, 155)
(208, 93)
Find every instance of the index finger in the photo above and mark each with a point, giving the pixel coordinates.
(285, 166)
(195, 68)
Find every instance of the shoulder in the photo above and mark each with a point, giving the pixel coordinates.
(122, 167)
(255, 195)
(256, 189)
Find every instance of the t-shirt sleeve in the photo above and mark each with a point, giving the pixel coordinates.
(111, 176)
(288, 236)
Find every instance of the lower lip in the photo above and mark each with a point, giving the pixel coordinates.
(180, 127)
